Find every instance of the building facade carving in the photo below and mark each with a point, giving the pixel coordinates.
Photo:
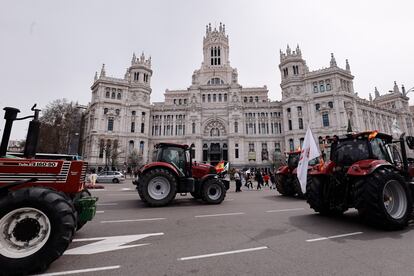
(221, 119)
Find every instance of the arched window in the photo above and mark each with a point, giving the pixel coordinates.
(105, 110)
(291, 145)
(236, 127)
(256, 99)
(113, 95)
(214, 97)
(130, 146)
(119, 96)
(209, 98)
(245, 99)
(107, 94)
(251, 99)
(133, 113)
(141, 147)
(204, 98)
(219, 97)
(117, 111)
(225, 97)
(214, 132)
(193, 128)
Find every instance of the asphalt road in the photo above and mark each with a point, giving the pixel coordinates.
(250, 233)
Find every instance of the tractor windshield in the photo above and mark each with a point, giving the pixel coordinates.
(379, 150)
(349, 151)
(175, 156)
(293, 160)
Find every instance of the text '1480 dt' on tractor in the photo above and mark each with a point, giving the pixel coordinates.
(172, 171)
(42, 203)
(368, 171)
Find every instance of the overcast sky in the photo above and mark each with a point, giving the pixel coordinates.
(51, 49)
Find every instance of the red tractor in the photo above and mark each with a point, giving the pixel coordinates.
(367, 171)
(172, 171)
(42, 203)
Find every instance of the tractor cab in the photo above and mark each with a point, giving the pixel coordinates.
(177, 155)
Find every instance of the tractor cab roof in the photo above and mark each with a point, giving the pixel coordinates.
(165, 145)
(365, 135)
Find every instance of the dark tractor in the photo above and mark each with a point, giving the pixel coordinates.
(285, 178)
(172, 171)
(367, 171)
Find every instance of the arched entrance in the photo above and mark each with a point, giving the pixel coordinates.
(215, 144)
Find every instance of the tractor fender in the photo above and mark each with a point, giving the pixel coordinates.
(283, 170)
(366, 167)
(160, 165)
(322, 169)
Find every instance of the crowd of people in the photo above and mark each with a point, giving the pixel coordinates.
(261, 177)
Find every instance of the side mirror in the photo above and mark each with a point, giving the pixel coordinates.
(410, 142)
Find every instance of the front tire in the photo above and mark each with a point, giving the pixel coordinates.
(284, 185)
(37, 226)
(80, 195)
(213, 191)
(316, 198)
(384, 200)
(159, 187)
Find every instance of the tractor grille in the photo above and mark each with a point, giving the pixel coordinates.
(41, 177)
(83, 173)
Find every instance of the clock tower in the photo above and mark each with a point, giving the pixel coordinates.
(216, 47)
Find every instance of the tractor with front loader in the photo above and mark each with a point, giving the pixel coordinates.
(368, 171)
(173, 172)
(43, 202)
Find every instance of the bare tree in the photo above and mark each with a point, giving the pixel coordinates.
(277, 159)
(60, 123)
(135, 160)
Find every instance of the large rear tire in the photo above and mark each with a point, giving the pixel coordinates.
(316, 198)
(383, 199)
(37, 225)
(284, 185)
(213, 191)
(159, 187)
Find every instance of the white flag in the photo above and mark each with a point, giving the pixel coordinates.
(309, 151)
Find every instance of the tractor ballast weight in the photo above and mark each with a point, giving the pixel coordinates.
(172, 171)
(363, 173)
(42, 203)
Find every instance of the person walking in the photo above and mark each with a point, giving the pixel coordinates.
(237, 177)
(273, 181)
(93, 178)
(259, 179)
(266, 180)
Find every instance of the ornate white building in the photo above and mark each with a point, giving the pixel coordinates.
(224, 120)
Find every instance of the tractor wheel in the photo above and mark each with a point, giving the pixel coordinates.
(315, 197)
(159, 187)
(37, 225)
(80, 195)
(196, 195)
(213, 191)
(284, 185)
(298, 188)
(383, 199)
(140, 193)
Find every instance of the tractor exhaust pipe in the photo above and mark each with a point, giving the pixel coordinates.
(10, 115)
(404, 153)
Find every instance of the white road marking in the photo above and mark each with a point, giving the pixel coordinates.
(81, 270)
(334, 237)
(126, 194)
(230, 199)
(100, 212)
(107, 204)
(284, 210)
(219, 215)
(97, 190)
(222, 253)
(105, 244)
(126, 189)
(131, 220)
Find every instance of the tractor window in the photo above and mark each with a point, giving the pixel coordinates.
(378, 150)
(174, 155)
(293, 160)
(347, 152)
(314, 161)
